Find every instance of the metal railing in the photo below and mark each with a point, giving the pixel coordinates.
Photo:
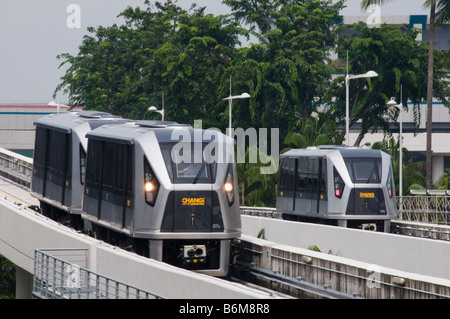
(260, 211)
(68, 278)
(434, 209)
(15, 167)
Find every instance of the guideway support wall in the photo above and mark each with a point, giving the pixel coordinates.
(418, 263)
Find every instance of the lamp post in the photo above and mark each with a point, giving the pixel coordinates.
(230, 99)
(57, 104)
(369, 74)
(153, 109)
(392, 102)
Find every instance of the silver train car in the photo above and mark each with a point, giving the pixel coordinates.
(337, 185)
(59, 162)
(164, 190)
(167, 190)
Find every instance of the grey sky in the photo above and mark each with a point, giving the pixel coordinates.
(34, 32)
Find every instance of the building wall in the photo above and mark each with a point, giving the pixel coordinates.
(17, 128)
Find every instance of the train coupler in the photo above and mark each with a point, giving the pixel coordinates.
(194, 254)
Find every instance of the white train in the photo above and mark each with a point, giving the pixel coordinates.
(164, 190)
(60, 160)
(337, 185)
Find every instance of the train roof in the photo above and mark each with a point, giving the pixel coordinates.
(66, 121)
(127, 133)
(325, 150)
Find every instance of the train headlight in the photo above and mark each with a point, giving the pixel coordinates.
(151, 184)
(228, 186)
(389, 184)
(338, 184)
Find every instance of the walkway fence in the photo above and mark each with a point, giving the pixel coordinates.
(63, 274)
(425, 206)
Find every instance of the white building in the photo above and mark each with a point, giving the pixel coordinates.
(17, 128)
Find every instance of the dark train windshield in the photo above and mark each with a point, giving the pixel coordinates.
(186, 164)
(364, 170)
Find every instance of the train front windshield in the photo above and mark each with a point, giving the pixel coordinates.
(185, 165)
(364, 170)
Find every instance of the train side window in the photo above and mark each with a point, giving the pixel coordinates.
(82, 164)
(115, 166)
(57, 152)
(93, 168)
(323, 176)
(40, 149)
(281, 179)
(301, 174)
(166, 150)
(287, 174)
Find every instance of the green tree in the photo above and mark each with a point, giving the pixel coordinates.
(442, 15)
(312, 133)
(399, 60)
(288, 68)
(412, 172)
(7, 278)
(162, 48)
(256, 189)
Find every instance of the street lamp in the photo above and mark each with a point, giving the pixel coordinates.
(153, 109)
(369, 74)
(392, 102)
(57, 104)
(230, 99)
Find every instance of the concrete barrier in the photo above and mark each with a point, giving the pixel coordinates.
(16, 167)
(410, 254)
(22, 231)
(341, 274)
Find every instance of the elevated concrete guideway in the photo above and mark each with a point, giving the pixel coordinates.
(409, 254)
(22, 231)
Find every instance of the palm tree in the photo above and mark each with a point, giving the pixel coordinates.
(411, 172)
(311, 132)
(256, 189)
(441, 15)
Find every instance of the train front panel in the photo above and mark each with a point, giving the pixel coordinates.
(363, 193)
(337, 185)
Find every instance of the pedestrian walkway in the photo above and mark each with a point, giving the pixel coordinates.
(17, 193)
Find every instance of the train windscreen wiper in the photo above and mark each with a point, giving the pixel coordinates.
(199, 173)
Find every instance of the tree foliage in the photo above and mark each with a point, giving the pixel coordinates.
(124, 69)
(289, 68)
(412, 172)
(399, 60)
(7, 278)
(439, 13)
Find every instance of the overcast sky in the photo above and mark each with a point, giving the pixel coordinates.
(34, 32)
